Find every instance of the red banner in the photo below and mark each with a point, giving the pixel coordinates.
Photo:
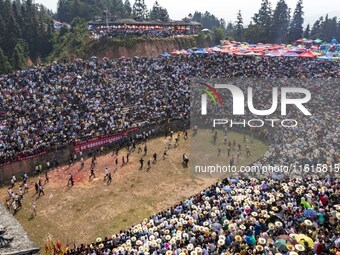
(100, 141)
(24, 158)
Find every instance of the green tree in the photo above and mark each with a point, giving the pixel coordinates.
(63, 10)
(127, 9)
(208, 20)
(329, 28)
(117, 8)
(262, 23)
(140, 11)
(306, 33)
(159, 12)
(5, 66)
(238, 29)
(2, 28)
(316, 29)
(229, 31)
(19, 56)
(254, 34)
(280, 24)
(218, 34)
(296, 25)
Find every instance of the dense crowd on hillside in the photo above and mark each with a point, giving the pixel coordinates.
(114, 33)
(239, 217)
(51, 106)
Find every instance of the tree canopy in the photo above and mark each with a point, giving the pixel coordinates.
(26, 31)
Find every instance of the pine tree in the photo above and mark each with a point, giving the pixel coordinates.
(19, 56)
(296, 26)
(208, 20)
(229, 31)
(140, 11)
(117, 8)
(280, 23)
(127, 9)
(306, 33)
(5, 66)
(263, 17)
(329, 28)
(239, 27)
(316, 29)
(262, 21)
(63, 10)
(159, 12)
(2, 28)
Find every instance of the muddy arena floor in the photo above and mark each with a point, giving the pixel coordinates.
(92, 209)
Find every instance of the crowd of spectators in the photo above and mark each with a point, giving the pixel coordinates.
(51, 106)
(48, 107)
(238, 217)
(147, 33)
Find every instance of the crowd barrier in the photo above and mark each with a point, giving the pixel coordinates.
(62, 156)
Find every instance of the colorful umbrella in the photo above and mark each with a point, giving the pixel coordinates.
(281, 244)
(310, 213)
(301, 238)
(287, 238)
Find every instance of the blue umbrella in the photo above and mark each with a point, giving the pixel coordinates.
(310, 213)
(216, 226)
(227, 189)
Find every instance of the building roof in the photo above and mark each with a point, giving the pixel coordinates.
(21, 244)
(146, 23)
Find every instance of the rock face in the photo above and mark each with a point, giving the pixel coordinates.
(112, 48)
(13, 238)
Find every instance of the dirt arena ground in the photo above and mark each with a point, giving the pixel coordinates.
(93, 209)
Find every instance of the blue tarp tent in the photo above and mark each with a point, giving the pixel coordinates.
(200, 51)
(165, 54)
(291, 54)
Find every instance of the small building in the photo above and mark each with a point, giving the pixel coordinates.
(131, 24)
